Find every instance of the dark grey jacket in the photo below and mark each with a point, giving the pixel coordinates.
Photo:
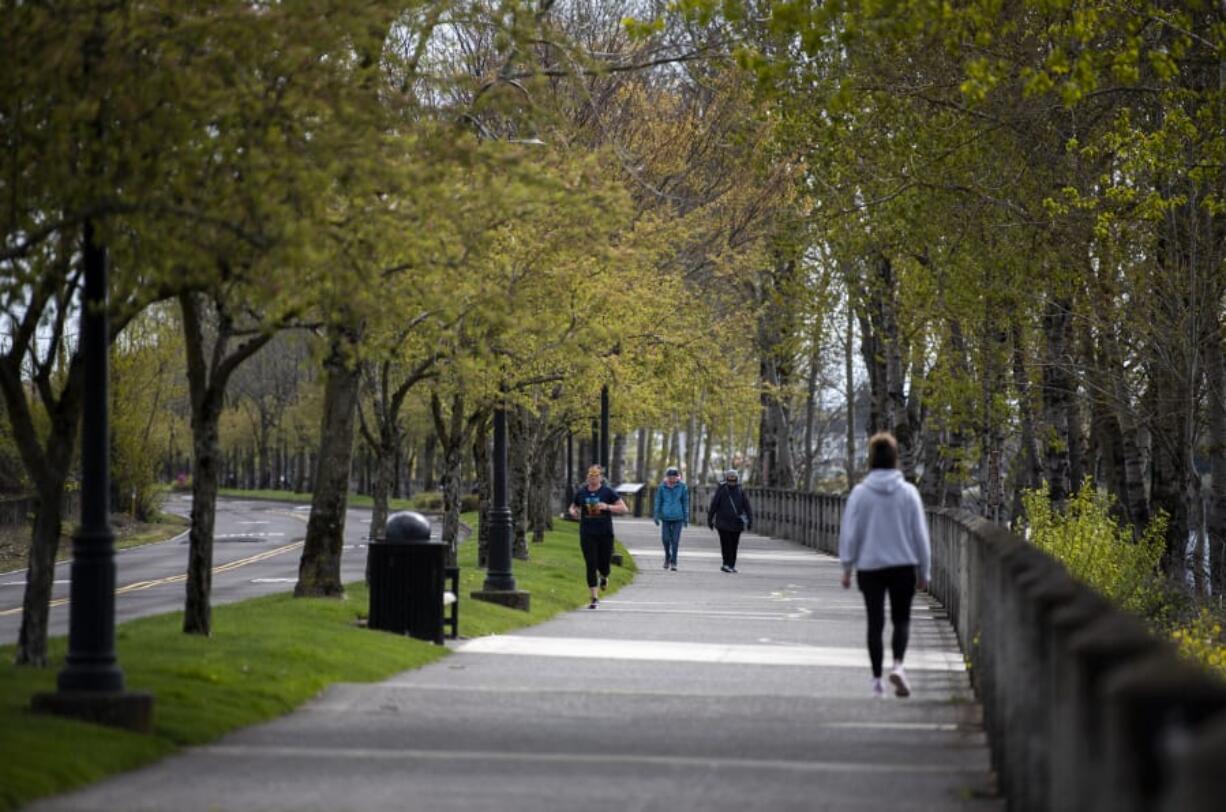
(727, 504)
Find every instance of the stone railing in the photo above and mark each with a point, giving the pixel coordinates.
(1085, 709)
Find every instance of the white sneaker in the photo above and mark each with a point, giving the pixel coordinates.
(878, 691)
(898, 678)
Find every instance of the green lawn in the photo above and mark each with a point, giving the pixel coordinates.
(266, 656)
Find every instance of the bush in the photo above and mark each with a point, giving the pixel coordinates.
(426, 500)
(1097, 550)
(1200, 639)
(433, 500)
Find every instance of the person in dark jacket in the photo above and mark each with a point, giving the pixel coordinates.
(729, 515)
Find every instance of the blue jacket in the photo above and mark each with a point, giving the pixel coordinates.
(672, 504)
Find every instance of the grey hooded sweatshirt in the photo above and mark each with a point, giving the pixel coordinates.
(884, 526)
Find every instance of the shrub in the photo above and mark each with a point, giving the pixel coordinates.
(1106, 556)
(1096, 549)
(1201, 640)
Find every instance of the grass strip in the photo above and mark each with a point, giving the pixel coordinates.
(266, 656)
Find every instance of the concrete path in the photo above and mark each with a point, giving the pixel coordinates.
(688, 690)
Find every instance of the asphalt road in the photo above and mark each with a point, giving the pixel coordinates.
(256, 550)
(688, 690)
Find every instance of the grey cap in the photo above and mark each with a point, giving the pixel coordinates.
(670, 471)
(731, 474)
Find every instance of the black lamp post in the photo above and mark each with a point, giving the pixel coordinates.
(91, 683)
(595, 441)
(499, 586)
(604, 429)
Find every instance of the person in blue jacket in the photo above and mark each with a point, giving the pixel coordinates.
(671, 512)
(884, 542)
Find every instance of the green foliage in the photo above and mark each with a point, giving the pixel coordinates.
(1200, 639)
(1097, 550)
(145, 380)
(433, 500)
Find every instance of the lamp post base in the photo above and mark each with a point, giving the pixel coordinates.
(514, 598)
(131, 711)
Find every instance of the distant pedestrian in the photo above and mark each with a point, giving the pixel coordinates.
(884, 539)
(594, 505)
(671, 511)
(729, 515)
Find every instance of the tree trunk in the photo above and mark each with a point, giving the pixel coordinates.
(811, 396)
(383, 484)
(319, 569)
(40, 578)
(618, 462)
(427, 463)
(1029, 472)
(519, 441)
(485, 487)
(1056, 394)
(849, 382)
(705, 473)
(206, 445)
(452, 463)
(649, 446)
(640, 456)
(774, 430)
(1215, 521)
(47, 467)
(452, 432)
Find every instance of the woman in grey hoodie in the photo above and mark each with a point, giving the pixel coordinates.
(884, 539)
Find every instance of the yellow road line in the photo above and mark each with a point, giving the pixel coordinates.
(177, 579)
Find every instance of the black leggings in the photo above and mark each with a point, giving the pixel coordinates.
(729, 540)
(900, 583)
(597, 555)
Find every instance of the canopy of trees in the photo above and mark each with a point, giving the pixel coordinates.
(342, 234)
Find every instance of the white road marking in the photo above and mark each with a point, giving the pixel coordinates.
(23, 583)
(743, 555)
(601, 759)
(668, 651)
(251, 522)
(274, 580)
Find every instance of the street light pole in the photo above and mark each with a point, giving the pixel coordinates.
(499, 576)
(91, 684)
(499, 586)
(604, 429)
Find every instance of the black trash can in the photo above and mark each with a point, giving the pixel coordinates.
(406, 579)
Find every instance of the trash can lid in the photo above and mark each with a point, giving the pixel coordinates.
(407, 527)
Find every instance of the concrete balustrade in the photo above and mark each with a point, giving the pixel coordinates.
(1084, 708)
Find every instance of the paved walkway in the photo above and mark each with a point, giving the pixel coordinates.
(688, 690)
